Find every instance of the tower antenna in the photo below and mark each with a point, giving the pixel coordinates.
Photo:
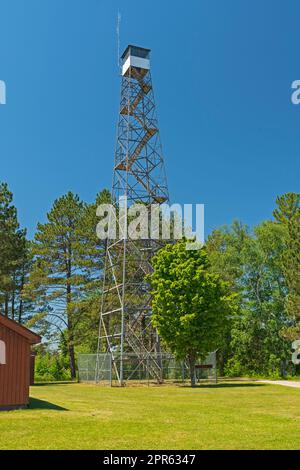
(118, 39)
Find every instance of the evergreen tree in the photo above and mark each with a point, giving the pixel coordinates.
(13, 258)
(56, 281)
(91, 261)
(66, 273)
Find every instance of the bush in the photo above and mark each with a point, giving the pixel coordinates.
(274, 368)
(233, 368)
(51, 367)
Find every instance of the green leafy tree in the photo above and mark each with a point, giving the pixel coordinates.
(252, 262)
(225, 247)
(190, 303)
(51, 366)
(288, 215)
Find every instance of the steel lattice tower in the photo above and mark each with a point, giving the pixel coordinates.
(139, 176)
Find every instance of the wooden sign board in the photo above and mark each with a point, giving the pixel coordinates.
(203, 366)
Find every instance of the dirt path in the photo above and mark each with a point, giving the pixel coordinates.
(287, 383)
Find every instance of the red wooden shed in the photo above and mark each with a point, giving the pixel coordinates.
(15, 363)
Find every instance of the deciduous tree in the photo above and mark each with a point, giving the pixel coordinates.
(288, 215)
(191, 305)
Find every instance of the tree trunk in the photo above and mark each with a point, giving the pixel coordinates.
(72, 358)
(70, 337)
(158, 356)
(70, 319)
(283, 368)
(20, 313)
(6, 305)
(221, 362)
(192, 363)
(13, 305)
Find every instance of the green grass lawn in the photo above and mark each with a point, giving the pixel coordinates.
(235, 415)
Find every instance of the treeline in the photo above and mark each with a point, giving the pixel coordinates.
(53, 284)
(263, 267)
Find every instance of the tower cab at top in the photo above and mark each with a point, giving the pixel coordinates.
(135, 58)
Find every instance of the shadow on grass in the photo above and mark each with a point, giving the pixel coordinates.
(36, 404)
(226, 385)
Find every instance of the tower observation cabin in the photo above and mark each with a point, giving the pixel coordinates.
(135, 58)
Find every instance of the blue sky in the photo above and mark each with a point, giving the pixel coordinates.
(222, 73)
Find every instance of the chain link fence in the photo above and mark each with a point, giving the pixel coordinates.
(101, 368)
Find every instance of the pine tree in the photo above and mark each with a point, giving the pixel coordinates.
(56, 281)
(91, 261)
(66, 272)
(13, 256)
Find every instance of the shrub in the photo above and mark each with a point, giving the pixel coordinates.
(51, 367)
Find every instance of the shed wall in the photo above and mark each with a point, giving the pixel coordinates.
(15, 374)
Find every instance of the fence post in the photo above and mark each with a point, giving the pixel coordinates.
(110, 369)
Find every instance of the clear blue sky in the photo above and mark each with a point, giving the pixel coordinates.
(222, 72)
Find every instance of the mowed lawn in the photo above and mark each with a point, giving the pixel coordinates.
(229, 416)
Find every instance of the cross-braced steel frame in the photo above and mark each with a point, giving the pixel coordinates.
(139, 176)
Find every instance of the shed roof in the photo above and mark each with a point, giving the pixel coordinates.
(12, 325)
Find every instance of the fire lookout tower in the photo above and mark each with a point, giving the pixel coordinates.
(139, 177)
